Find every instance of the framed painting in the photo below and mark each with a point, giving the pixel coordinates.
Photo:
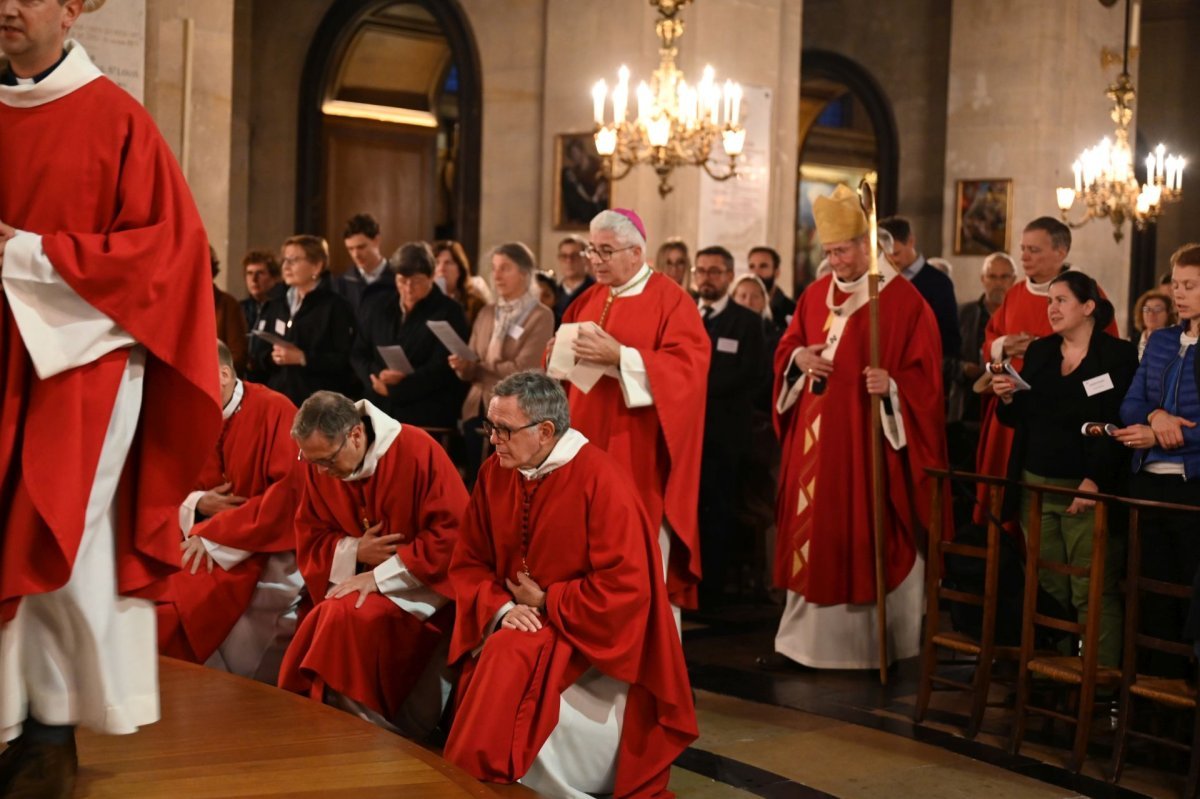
(581, 189)
(983, 216)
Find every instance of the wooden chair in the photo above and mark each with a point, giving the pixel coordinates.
(442, 435)
(1081, 672)
(982, 650)
(1173, 694)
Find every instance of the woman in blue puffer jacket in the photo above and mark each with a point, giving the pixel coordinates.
(1162, 410)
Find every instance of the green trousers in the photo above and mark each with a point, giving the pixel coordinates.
(1068, 539)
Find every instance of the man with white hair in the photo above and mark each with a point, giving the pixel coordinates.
(823, 383)
(109, 402)
(963, 408)
(573, 676)
(647, 410)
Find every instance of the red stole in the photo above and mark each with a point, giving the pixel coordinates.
(595, 553)
(660, 444)
(257, 455)
(118, 222)
(825, 545)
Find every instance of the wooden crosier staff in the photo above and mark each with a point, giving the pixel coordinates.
(868, 204)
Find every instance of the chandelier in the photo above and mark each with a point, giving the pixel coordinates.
(677, 123)
(1104, 175)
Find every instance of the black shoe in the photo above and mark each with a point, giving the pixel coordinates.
(43, 771)
(778, 662)
(10, 758)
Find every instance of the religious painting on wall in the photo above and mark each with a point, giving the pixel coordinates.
(581, 189)
(982, 216)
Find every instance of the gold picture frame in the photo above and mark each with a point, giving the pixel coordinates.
(581, 189)
(983, 216)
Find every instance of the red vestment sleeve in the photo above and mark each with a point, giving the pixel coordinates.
(441, 499)
(317, 537)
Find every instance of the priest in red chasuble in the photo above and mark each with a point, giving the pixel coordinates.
(233, 606)
(823, 383)
(1020, 320)
(108, 394)
(573, 676)
(638, 389)
(377, 523)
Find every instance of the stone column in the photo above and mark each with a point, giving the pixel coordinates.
(1026, 95)
(201, 104)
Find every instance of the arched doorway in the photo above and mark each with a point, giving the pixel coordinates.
(390, 123)
(847, 132)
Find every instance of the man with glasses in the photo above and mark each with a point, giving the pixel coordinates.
(558, 564)
(572, 272)
(735, 374)
(824, 554)
(233, 606)
(647, 411)
(378, 520)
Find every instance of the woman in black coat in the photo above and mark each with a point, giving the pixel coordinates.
(316, 327)
(1077, 376)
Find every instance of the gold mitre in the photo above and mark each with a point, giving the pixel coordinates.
(839, 216)
(92, 5)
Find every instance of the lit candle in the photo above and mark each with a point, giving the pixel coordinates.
(1159, 152)
(1179, 174)
(1170, 163)
(645, 102)
(1078, 168)
(728, 101)
(621, 95)
(1150, 169)
(599, 91)
(737, 103)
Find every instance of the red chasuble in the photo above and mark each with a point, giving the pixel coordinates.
(374, 654)
(659, 444)
(595, 553)
(1021, 312)
(93, 177)
(257, 455)
(825, 549)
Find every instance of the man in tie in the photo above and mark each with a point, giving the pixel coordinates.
(736, 334)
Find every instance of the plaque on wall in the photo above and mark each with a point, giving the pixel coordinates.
(733, 213)
(115, 38)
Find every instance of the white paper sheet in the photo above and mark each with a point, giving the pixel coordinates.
(272, 338)
(563, 366)
(396, 359)
(451, 340)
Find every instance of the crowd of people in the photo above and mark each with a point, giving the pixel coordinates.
(478, 510)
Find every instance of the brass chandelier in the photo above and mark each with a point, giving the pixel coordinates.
(677, 123)
(1104, 175)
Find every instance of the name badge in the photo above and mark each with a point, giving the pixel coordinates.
(262, 325)
(281, 327)
(729, 345)
(516, 331)
(1098, 385)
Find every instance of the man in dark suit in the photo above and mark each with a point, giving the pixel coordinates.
(764, 262)
(733, 379)
(371, 280)
(934, 285)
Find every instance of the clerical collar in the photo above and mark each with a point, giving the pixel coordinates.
(10, 78)
(235, 401)
(74, 71)
(915, 267)
(850, 286)
(717, 306)
(564, 452)
(635, 285)
(386, 430)
(1038, 289)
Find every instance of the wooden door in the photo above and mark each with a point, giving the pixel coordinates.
(386, 170)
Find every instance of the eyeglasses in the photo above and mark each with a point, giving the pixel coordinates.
(502, 433)
(712, 271)
(605, 254)
(1154, 309)
(328, 461)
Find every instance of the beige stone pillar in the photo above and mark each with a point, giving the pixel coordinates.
(189, 85)
(1026, 95)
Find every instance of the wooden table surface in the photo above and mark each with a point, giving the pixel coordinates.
(223, 736)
